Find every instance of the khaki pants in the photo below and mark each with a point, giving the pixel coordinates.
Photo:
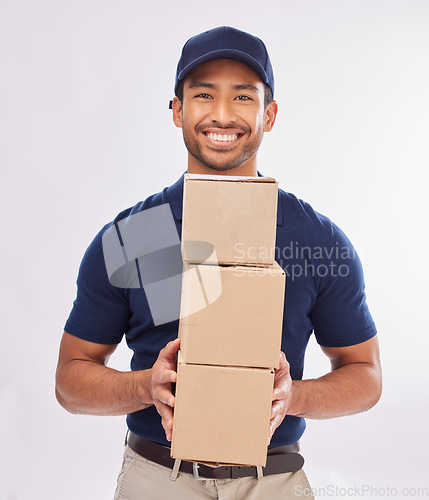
(142, 479)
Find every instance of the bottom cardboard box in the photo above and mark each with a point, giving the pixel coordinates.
(222, 414)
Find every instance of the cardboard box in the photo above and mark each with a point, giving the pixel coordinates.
(229, 220)
(222, 414)
(232, 315)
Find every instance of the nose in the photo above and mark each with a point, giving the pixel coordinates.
(222, 111)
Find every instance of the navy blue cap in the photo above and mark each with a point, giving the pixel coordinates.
(225, 43)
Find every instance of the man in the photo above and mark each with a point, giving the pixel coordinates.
(224, 105)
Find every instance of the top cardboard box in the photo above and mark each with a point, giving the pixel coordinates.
(229, 220)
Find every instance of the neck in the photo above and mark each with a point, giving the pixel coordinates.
(248, 168)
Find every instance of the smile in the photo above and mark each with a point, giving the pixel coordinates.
(221, 137)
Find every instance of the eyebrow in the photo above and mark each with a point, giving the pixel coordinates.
(245, 86)
(207, 85)
(201, 84)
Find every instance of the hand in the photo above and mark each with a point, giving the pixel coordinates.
(163, 374)
(282, 395)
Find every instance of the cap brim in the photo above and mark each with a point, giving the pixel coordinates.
(236, 55)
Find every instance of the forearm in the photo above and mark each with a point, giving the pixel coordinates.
(350, 389)
(91, 388)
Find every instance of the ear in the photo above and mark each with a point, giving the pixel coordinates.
(270, 116)
(177, 112)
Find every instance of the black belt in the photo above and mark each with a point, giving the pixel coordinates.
(286, 460)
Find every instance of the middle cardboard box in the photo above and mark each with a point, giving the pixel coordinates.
(231, 315)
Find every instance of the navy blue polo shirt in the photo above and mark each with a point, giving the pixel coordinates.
(324, 294)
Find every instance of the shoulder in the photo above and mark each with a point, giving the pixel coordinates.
(151, 201)
(126, 222)
(299, 213)
(171, 196)
(302, 226)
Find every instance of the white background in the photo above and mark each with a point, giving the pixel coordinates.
(85, 132)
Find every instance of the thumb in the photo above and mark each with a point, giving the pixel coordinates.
(171, 348)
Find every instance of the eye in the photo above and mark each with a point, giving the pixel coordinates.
(204, 96)
(244, 98)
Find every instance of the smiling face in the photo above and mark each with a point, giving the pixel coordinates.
(223, 118)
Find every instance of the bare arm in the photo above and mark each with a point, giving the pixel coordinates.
(354, 385)
(84, 384)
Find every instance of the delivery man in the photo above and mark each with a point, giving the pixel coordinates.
(224, 104)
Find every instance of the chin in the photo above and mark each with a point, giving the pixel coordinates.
(223, 165)
(220, 168)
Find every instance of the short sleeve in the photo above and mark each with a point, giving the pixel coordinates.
(101, 311)
(340, 315)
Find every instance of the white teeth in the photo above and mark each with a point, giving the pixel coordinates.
(222, 138)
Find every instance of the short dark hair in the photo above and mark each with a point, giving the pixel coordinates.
(268, 95)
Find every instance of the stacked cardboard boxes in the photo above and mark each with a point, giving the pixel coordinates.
(230, 320)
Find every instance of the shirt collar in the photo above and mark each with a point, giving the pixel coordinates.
(175, 198)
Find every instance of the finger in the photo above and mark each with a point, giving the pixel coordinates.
(283, 364)
(168, 430)
(167, 423)
(281, 387)
(279, 414)
(271, 432)
(168, 433)
(275, 409)
(166, 415)
(166, 397)
(169, 351)
(280, 392)
(165, 377)
(274, 423)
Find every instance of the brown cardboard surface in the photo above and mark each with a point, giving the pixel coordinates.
(229, 220)
(222, 414)
(232, 315)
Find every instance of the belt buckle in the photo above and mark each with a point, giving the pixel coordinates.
(195, 467)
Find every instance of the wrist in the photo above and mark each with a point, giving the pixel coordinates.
(296, 406)
(144, 387)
